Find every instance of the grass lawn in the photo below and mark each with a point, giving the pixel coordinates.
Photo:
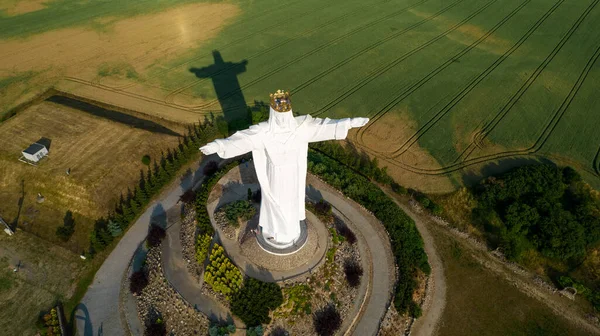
(479, 302)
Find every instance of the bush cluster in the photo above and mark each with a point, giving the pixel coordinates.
(202, 245)
(221, 273)
(151, 181)
(537, 209)
(426, 202)
(202, 217)
(156, 234)
(327, 320)
(51, 324)
(255, 331)
(298, 299)
(407, 244)
(138, 281)
(351, 158)
(239, 209)
(254, 300)
(221, 330)
(343, 230)
(353, 271)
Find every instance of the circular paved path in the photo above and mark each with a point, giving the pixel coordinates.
(98, 312)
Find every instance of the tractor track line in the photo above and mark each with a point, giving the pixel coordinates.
(383, 69)
(170, 96)
(471, 85)
(347, 60)
(489, 127)
(542, 139)
(412, 88)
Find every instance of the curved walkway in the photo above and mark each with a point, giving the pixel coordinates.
(382, 281)
(98, 311)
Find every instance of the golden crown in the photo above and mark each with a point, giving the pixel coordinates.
(280, 101)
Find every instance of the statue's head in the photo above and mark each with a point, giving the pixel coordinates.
(281, 105)
(280, 101)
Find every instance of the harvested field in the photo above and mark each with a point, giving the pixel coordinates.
(450, 86)
(104, 157)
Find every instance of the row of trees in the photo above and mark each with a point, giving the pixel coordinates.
(150, 183)
(407, 244)
(205, 230)
(351, 157)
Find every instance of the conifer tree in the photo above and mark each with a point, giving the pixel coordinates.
(96, 243)
(114, 228)
(134, 206)
(140, 197)
(105, 236)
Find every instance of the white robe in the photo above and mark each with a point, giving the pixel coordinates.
(280, 160)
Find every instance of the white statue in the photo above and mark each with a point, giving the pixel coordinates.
(279, 148)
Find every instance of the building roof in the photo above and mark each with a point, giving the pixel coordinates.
(34, 148)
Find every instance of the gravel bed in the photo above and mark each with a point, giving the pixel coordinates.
(159, 299)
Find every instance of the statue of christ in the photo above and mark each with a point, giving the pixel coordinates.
(279, 148)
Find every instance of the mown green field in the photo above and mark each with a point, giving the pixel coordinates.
(451, 86)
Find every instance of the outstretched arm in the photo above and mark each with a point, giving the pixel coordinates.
(332, 129)
(239, 143)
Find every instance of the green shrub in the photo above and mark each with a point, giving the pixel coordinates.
(297, 299)
(255, 331)
(202, 245)
(146, 160)
(223, 276)
(239, 209)
(254, 300)
(221, 330)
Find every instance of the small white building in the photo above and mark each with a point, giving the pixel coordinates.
(35, 152)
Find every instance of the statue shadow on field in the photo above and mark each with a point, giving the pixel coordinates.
(470, 178)
(227, 89)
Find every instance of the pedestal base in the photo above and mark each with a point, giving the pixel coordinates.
(284, 249)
